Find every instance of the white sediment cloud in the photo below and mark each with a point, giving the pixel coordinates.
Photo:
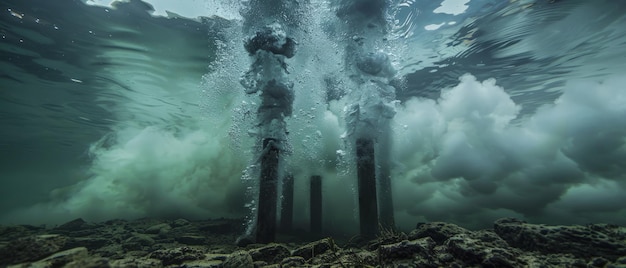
(470, 159)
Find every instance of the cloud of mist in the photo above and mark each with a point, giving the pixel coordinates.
(464, 159)
(151, 172)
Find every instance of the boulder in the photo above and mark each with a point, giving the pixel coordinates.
(473, 251)
(598, 240)
(31, 248)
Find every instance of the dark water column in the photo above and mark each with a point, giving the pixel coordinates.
(286, 209)
(266, 219)
(366, 172)
(316, 204)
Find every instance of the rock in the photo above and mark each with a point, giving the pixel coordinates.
(438, 231)
(272, 253)
(96, 262)
(161, 229)
(295, 261)
(358, 258)
(73, 225)
(62, 258)
(422, 247)
(386, 237)
(180, 222)
(90, 243)
(239, 259)
(619, 263)
(582, 241)
(621, 260)
(598, 262)
(191, 240)
(489, 237)
(475, 252)
(137, 242)
(315, 248)
(31, 248)
(136, 263)
(8, 233)
(177, 255)
(203, 264)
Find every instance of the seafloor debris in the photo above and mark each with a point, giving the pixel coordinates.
(182, 243)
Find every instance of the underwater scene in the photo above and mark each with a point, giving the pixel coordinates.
(312, 133)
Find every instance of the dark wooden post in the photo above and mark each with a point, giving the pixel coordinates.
(286, 208)
(366, 172)
(384, 181)
(316, 204)
(266, 217)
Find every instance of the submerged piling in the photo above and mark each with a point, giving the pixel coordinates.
(371, 110)
(286, 208)
(269, 45)
(385, 201)
(266, 219)
(316, 204)
(366, 172)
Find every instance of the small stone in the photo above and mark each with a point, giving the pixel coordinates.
(239, 259)
(203, 264)
(177, 255)
(191, 240)
(438, 231)
(161, 228)
(310, 250)
(407, 249)
(295, 261)
(272, 253)
(180, 222)
(90, 243)
(597, 262)
(136, 263)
